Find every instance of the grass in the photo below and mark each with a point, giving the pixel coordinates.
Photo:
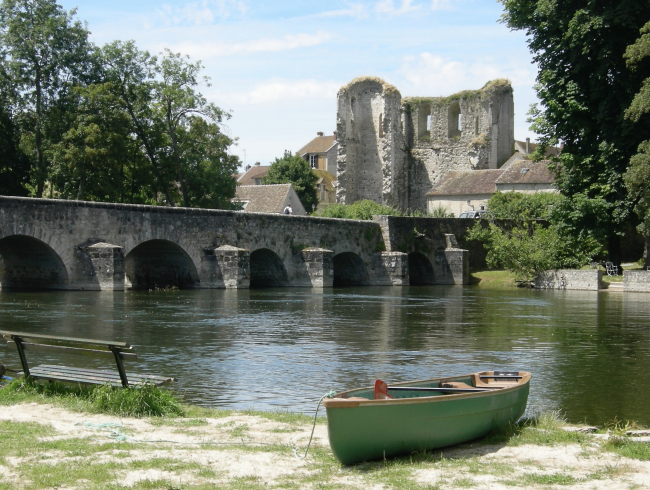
(492, 279)
(146, 400)
(37, 456)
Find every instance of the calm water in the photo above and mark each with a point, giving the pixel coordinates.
(284, 348)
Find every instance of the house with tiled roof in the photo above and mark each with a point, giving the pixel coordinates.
(272, 198)
(321, 153)
(253, 175)
(469, 190)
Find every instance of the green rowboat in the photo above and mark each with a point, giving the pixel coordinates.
(383, 421)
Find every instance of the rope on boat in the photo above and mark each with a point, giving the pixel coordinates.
(329, 394)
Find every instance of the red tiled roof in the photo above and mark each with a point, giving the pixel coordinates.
(263, 198)
(256, 171)
(320, 144)
(527, 172)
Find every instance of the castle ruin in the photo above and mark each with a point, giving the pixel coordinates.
(392, 150)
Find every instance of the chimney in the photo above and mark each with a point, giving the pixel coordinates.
(320, 133)
(247, 168)
(336, 136)
(527, 146)
(257, 164)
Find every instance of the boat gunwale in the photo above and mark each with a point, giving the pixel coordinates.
(339, 402)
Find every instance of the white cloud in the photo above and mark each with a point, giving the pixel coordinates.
(440, 4)
(388, 7)
(356, 10)
(205, 50)
(429, 74)
(276, 89)
(204, 12)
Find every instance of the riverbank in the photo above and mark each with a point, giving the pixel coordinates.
(47, 445)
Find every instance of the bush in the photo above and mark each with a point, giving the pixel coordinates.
(146, 400)
(362, 210)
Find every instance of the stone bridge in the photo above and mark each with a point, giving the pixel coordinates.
(59, 244)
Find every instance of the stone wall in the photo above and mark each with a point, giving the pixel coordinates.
(392, 150)
(589, 280)
(371, 157)
(85, 245)
(636, 281)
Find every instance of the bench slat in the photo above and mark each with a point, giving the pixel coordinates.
(6, 333)
(97, 372)
(91, 376)
(28, 346)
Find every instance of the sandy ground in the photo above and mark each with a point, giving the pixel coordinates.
(216, 445)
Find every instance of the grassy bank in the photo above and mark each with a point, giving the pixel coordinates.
(59, 441)
(492, 279)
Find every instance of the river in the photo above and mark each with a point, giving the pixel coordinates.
(281, 349)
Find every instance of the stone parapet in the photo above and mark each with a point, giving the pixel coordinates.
(587, 280)
(636, 281)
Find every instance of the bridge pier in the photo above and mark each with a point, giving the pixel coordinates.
(231, 268)
(315, 268)
(106, 267)
(391, 269)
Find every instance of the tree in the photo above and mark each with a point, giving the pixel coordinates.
(532, 233)
(177, 130)
(585, 88)
(45, 53)
(292, 169)
(637, 177)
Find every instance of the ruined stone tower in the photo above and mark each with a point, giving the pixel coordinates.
(392, 150)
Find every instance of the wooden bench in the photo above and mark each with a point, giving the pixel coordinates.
(119, 351)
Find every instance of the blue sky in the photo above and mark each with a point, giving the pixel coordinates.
(277, 65)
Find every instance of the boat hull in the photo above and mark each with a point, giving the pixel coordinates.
(373, 429)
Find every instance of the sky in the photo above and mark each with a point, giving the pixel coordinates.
(276, 66)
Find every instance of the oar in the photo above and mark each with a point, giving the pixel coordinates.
(406, 388)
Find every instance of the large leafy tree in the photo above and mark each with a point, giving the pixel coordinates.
(45, 52)
(585, 88)
(637, 178)
(292, 169)
(175, 127)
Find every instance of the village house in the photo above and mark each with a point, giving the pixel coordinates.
(470, 190)
(271, 198)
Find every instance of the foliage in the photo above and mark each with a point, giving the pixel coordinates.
(45, 51)
(14, 164)
(146, 400)
(518, 242)
(637, 177)
(292, 169)
(362, 210)
(530, 248)
(585, 89)
(441, 212)
(517, 205)
(104, 124)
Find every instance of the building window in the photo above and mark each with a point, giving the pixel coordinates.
(455, 120)
(313, 161)
(381, 125)
(424, 121)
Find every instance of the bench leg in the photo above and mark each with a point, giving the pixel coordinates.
(120, 367)
(21, 354)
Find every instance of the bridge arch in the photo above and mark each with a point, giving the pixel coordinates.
(29, 263)
(420, 270)
(267, 269)
(349, 270)
(160, 264)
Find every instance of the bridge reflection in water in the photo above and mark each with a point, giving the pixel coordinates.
(284, 348)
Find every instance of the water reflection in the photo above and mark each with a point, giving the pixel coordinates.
(284, 348)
